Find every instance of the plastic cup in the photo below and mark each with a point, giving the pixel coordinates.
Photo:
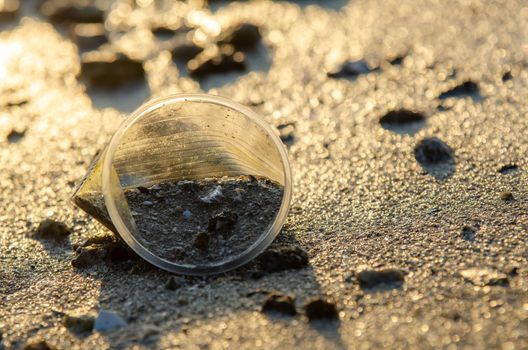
(194, 157)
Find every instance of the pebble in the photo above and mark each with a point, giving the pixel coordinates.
(39, 345)
(283, 258)
(15, 136)
(468, 233)
(51, 229)
(107, 320)
(431, 151)
(102, 248)
(380, 278)
(507, 196)
(148, 203)
(215, 196)
(109, 69)
(222, 222)
(173, 283)
(83, 323)
(202, 241)
(187, 214)
(279, 303)
(317, 308)
(484, 277)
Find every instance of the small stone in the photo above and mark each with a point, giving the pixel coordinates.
(484, 277)
(215, 196)
(15, 136)
(507, 76)
(279, 303)
(172, 283)
(222, 222)
(109, 69)
(202, 241)
(86, 257)
(283, 258)
(187, 214)
(38, 345)
(83, 323)
(107, 320)
(380, 278)
(104, 248)
(317, 308)
(507, 196)
(468, 233)
(51, 229)
(245, 36)
(148, 203)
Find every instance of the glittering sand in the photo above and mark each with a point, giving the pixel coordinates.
(414, 222)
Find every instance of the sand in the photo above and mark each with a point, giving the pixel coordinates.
(361, 200)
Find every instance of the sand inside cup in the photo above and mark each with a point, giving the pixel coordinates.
(201, 222)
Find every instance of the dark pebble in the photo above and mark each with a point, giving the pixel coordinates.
(202, 241)
(173, 283)
(223, 60)
(380, 278)
(431, 151)
(468, 233)
(39, 345)
(277, 259)
(468, 88)
(107, 69)
(71, 11)
(280, 303)
(350, 69)
(507, 76)
(102, 248)
(51, 229)
(245, 36)
(15, 136)
(509, 169)
(403, 121)
(507, 196)
(79, 324)
(222, 222)
(317, 308)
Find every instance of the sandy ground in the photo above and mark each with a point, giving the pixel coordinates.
(364, 197)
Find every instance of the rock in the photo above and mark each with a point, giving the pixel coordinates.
(380, 278)
(507, 76)
(38, 345)
(507, 196)
(468, 233)
(243, 37)
(60, 11)
(51, 229)
(107, 321)
(15, 136)
(484, 277)
(216, 60)
(9, 9)
(202, 241)
(89, 36)
(83, 323)
(317, 308)
(282, 258)
(173, 283)
(280, 303)
(403, 121)
(435, 157)
(222, 222)
(215, 196)
(187, 214)
(109, 69)
(350, 69)
(105, 248)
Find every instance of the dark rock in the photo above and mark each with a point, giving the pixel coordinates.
(468, 233)
(317, 308)
(245, 36)
(435, 157)
(350, 69)
(60, 11)
(39, 345)
(9, 9)
(277, 259)
(105, 248)
(507, 196)
(466, 89)
(89, 36)
(280, 303)
(51, 229)
(484, 277)
(509, 169)
(217, 60)
(202, 241)
(507, 76)
(173, 283)
(222, 222)
(83, 323)
(287, 133)
(15, 136)
(403, 121)
(107, 321)
(108, 69)
(380, 278)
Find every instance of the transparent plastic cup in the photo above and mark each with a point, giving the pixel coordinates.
(194, 184)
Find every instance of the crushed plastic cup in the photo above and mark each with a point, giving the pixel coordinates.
(194, 184)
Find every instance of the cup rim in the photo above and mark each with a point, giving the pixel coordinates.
(250, 253)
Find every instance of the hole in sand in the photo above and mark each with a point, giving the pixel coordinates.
(509, 169)
(466, 89)
(403, 121)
